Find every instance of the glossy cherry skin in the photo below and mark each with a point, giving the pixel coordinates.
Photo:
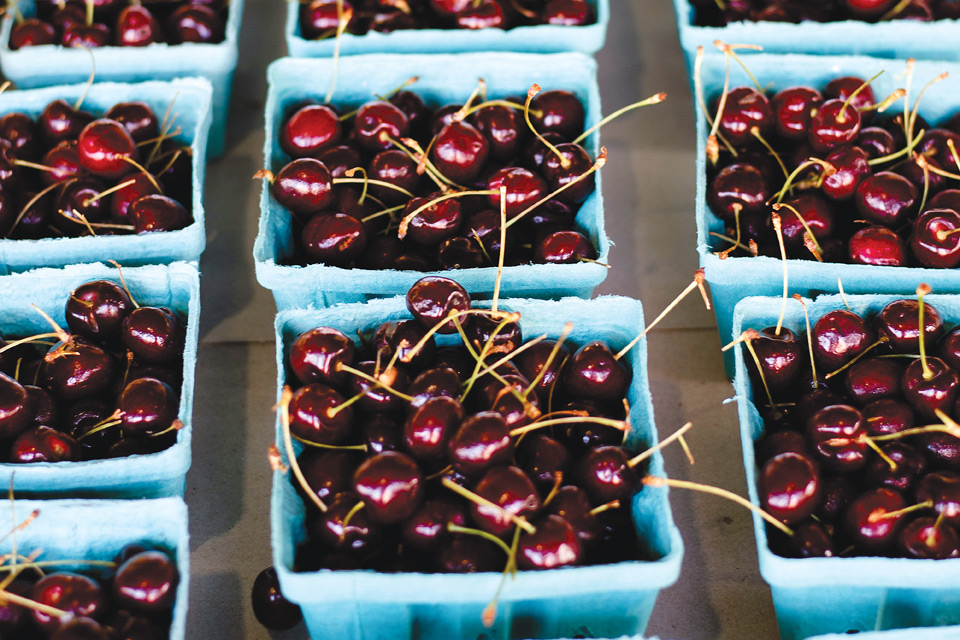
(155, 335)
(942, 450)
(555, 544)
(886, 416)
(864, 525)
(334, 239)
(834, 124)
(23, 134)
(59, 121)
(792, 109)
(320, 17)
(899, 323)
(431, 299)
(32, 32)
(357, 537)
(304, 186)
(377, 121)
(482, 441)
(887, 198)
(121, 199)
(773, 444)
(16, 407)
(271, 609)
(942, 488)
(468, 554)
(390, 485)
(374, 398)
(154, 212)
(559, 112)
(404, 337)
(738, 184)
(434, 222)
(149, 406)
(922, 538)
(317, 355)
(871, 379)
(460, 152)
(569, 168)
(503, 128)
(877, 245)
(427, 527)
(138, 119)
(910, 465)
(95, 310)
(70, 592)
(77, 368)
(486, 330)
(397, 168)
(136, 27)
(851, 169)
(781, 358)
(834, 434)
(789, 487)
(542, 458)
(523, 187)
(147, 582)
(536, 360)
(328, 472)
(312, 416)
(935, 238)
(604, 473)
(104, 146)
(745, 109)
(817, 212)
(195, 23)
(926, 395)
(310, 130)
(877, 142)
(564, 247)
(90, 36)
(432, 383)
(428, 429)
(80, 629)
(592, 372)
(509, 488)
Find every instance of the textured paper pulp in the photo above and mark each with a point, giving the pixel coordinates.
(735, 278)
(296, 81)
(99, 530)
(608, 599)
(834, 595)
(936, 633)
(531, 39)
(142, 476)
(893, 39)
(48, 65)
(192, 107)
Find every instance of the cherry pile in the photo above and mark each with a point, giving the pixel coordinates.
(714, 13)
(120, 23)
(866, 460)
(109, 389)
(364, 194)
(68, 173)
(431, 458)
(319, 18)
(870, 189)
(132, 601)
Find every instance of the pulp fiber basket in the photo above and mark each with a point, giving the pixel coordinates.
(48, 65)
(738, 277)
(900, 39)
(99, 530)
(607, 600)
(528, 39)
(192, 107)
(154, 475)
(931, 633)
(443, 79)
(836, 595)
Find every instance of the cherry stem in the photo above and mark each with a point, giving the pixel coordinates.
(730, 50)
(916, 103)
(341, 27)
(165, 126)
(413, 151)
(620, 425)
(723, 255)
(375, 380)
(454, 315)
(882, 340)
(464, 112)
(331, 447)
(755, 132)
(453, 527)
(405, 223)
(713, 151)
(953, 152)
(57, 563)
(32, 201)
(806, 227)
(386, 96)
(12, 598)
(379, 183)
(480, 359)
(502, 361)
(383, 212)
(143, 170)
(284, 409)
(654, 99)
(841, 116)
(896, 10)
(34, 165)
(61, 334)
(531, 92)
(926, 166)
(889, 515)
(123, 281)
(477, 90)
(503, 245)
(101, 426)
(897, 154)
(806, 316)
(557, 481)
(477, 499)
(160, 138)
(567, 328)
(20, 527)
(176, 425)
(828, 170)
(657, 481)
(346, 519)
(884, 104)
(613, 504)
(697, 282)
(748, 341)
(778, 229)
(36, 338)
(76, 216)
(598, 164)
(489, 615)
(676, 435)
(915, 431)
(922, 290)
(873, 445)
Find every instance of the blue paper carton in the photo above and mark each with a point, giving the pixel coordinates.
(159, 474)
(296, 81)
(49, 65)
(933, 633)
(608, 600)
(838, 595)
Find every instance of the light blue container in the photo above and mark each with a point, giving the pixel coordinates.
(835, 595)
(735, 278)
(893, 39)
(155, 475)
(193, 108)
(295, 81)
(99, 530)
(49, 65)
(934, 633)
(529, 39)
(609, 600)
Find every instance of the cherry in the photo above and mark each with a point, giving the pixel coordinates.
(834, 434)
(43, 444)
(557, 111)
(80, 196)
(31, 33)
(435, 222)
(781, 358)
(942, 450)
(482, 441)
(149, 406)
(430, 426)
(310, 130)
(155, 335)
(460, 152)
(877, 245)
(433, 298)
(195, 23)
(773, 444)
(317, 355)
(418, 114)
(899, 321)
(105, 147)
(834, 124)
(738, 185)
(14, 617)
(23, 134)
(789, 487)
(844, 87)
(865, 521)
(949, 348)
(534, 361)
(136, 27)
(571, 504)
(910, 465)
(871, 379)
(334, 239)
(485, 14)
(564, 247)
(328, 473)
(122, 198)
(816, 212)
(158, 213)
(851, 168)
(427, 527)
(868, 9)
(922, 538)
(77, 368)
(604, 473)
(838, 493)
(593, 372)
(511, 490)
(356, 536)
(886, 416)
(373, 397)
(316, 416)
(486, 330)
(320, 18)
(468, 554)
(433, 383)
(137, 118)
(146, 582)
(397, 168)
(811, 539)
(877, 142)
(543, 458)
(887, 198)
(942, 489)
(16, 407)
(45, 410)
(523, 189)
(272, 610)
(568, 13)
(80, 629)
(927, 392)
(567, 165)
(555, 544)
(792, 109)
(59, 122)
(390, 485)
(341, 158)
(69, 592)
(503, 128)
(935, 238)
(376, 121)
(90, 36)
(304, 186)
(96, 310)
(402, 338)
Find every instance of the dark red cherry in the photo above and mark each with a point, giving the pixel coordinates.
(356, 536)
(867, 9)
(23, 134)
(377, 122)
(317, 355)
(334, 239)
(397, 168)
(877, 142)
(816, 211)
(404, 337)
(79, 197)
(781, 358)
(468, 554)
(80, 629)
(320, 18)
(523, 189)
(851, 168)
(146, 583)
(569, 166)
(390, 485)
(542, 458)
(792, 110)
(910, 465)
(271, 609)
(486, 330)
(149, 406)
(503, 128)
(59, 121)
(154, 334)
(76, 368)
(341, 158)
(604, 473)
(941, 449)
(105, 149)
(433, 298)
(593, 372)
(304, 186)
(195, 23)
(942, 488)
(557, 111)
(534, 360)
(935, 238)
(316, 416)
(153, 213)
(512, 491)
(899, 323)
(835, 124)
(949, 348)
(96, 310)
(870, 379)
(434, 222)
(32, 32)
(485, 14)
(136, 27)
(328, 472)
(929, 389)
(812, 539)
(70, 592)
(432, 383)
(844, 87)
(789, 487)
(138, 118)
(886, 416)
(90, 36)
(418, 114)
(16, 407)
(460, 152)
(745, 109)
(838, 493)
(887, 198)
(564, 247)
(122, 198)
(482, 441)
(835, 432)
(924, 538)
(46, 412)
(865, 522)
(13, 617)
(428, 429)
(738, 184)
(946, 199)
(374, 398)
(568, 13)
(571, 504)
(427, 527)
(555, 544)
(877, 245)
(310, 130)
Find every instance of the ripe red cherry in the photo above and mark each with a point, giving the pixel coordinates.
(138, 119)
(877, 142)
(923, 538)
(272, 610)
(910, 465)
(871, 379)
(304, 186)
(153, 213)
(818, 214)
(568, 165)
(32, 32)
(376, 121)
(942, 488)
(844, 87)
(195, 23)
(564, 247)
(503, 128)
(792, 109)
(146, 582)
(592, 372)
(435, 223)
(391, 486)
(315, 415)
(557, 111)
(96, 310)
(851, 168)
(104, 147)
(899, 322)
(149, 406)
(523, 189)
(604, 474)
(77, 368)
(16, 410)
(90, 36)
(460, 152)
(868, 9)
(781, 358)
(738, 184)
(834, 433)
(23, 134)
(789, 487)
(43, 444)
(397, 168)
(59, 121)
(316, 356)
(68, 592)
(482, 441)
(485, 14)
(838, 337)
(121, 199)
(433, 298)
(834, 124)
(310, 130)
(333, 239)
(568, 13)
(745, 109)
(555, 544)
(428, 429)
(877, 245)
(427, 528)
(510, 489)
(155, 335)
(136, 27)
(935, 238)
(864, 522)
(887, 198)
(926, 395)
